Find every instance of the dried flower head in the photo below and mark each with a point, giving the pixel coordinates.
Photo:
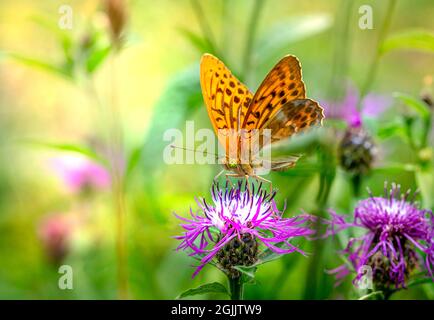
(117, 16)
(232, 229)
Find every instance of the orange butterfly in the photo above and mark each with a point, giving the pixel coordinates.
(241, 119)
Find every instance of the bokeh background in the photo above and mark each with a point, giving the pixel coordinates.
(83, 112)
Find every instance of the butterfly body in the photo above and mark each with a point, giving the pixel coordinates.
(240, 168)
(246, 123)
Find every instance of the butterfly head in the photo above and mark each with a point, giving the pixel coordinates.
(231, 163)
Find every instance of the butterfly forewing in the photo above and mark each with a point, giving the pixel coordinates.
(282, 84)
(226, 98)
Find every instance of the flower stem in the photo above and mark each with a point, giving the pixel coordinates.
(356, 181)
(342, 48)
(251, 32)
(115, 155)
(205, 27)
(326, 159)
(370, 78)
(236, 287)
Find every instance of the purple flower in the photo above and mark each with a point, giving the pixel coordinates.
(397, 235)
(346, 109)
(80, 174)
(230, 228)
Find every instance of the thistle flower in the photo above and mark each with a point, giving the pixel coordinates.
(81, 174)
(371, 106)
(231, 230)
(397, 236)
(356, 149)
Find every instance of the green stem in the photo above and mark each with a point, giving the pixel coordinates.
(327, 175)
(226, 25)
(250, 39)
(115, 150)
(206, 29)
(356, 181)
(370, 78)
(341, 56)
(236, 287)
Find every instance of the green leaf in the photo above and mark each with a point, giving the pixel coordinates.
(409, 39)
(282, 34)
(417, 282)
(133, 160)
(390, 130)
(181, 97)
(69, 148)
(214, 287)
(64, 71)
(64, 37)
(249, 271)
(265, 256)
(425, 182)
(415, 104)
(269, 255)
(394, 168)
(373, 296)
(96, 58)
(196, 40)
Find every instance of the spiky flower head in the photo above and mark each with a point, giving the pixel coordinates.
(398, 235)
(356, 151)
(241, 221)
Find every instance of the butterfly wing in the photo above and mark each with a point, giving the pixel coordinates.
(282, 84)
(226, 98)
(293, 117)
(276, 164)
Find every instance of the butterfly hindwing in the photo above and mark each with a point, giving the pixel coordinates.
(277, 164)
(293, 117)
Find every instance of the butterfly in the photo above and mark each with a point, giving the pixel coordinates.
(241, 119)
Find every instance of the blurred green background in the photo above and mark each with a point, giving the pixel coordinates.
(72, 92)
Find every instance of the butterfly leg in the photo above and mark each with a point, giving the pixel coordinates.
(264, 180)
(247, 183)
(218, 175)
(234, 175)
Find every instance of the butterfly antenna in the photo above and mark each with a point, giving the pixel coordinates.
(192, 150)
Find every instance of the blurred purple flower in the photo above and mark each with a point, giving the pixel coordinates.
(372, 106)
(80, 174)
(395, 229)
(237, 217)
(55, 232)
